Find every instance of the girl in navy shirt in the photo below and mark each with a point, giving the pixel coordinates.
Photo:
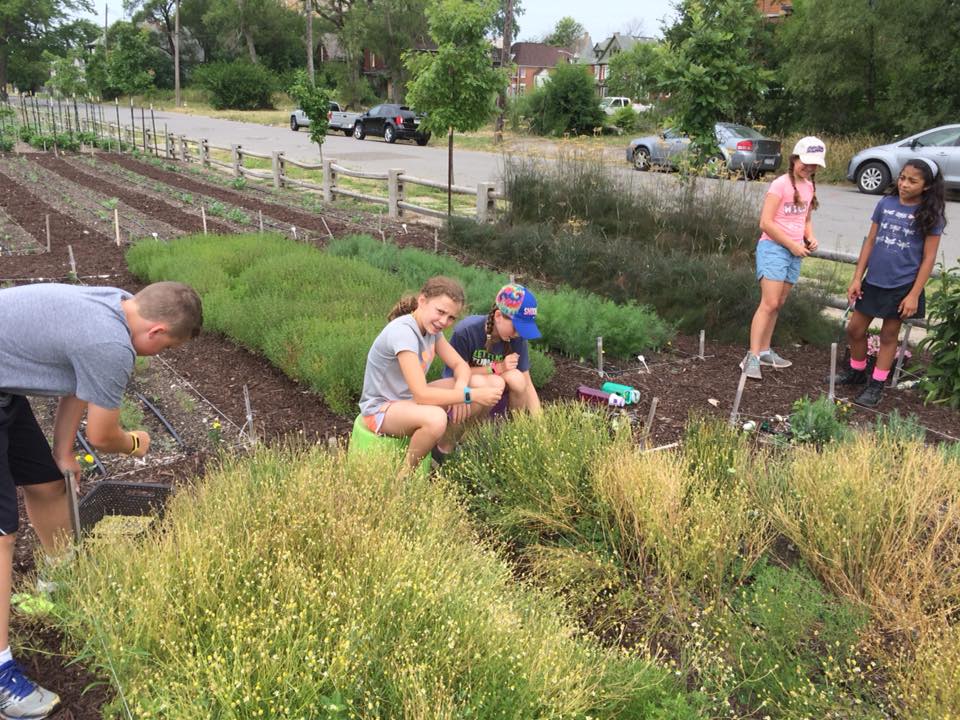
(894, 265)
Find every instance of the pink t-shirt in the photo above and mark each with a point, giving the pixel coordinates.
(790, 215)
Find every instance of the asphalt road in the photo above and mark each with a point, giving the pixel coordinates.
(840, 224)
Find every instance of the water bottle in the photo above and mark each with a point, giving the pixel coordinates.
(589, 394)
(629, 395)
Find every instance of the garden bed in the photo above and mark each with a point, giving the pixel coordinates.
(212, 371)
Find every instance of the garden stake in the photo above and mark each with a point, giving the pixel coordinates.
(46, 219)
(436, 240)
(903, 351)
(260, 217)
(643, 361)
(116, 224)
(133, 126)
(116, 104)
(73, 263)
(70, 479)
(833, 370)
(203, 216)
(322, 218)
(702, 337)
(600, 355)
(736, 400)
(153, 124)
(293, 229)
(143, 124)
(648, 428)
(252, 433)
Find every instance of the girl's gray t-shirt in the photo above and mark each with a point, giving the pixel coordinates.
(383, 381)
(59, 340)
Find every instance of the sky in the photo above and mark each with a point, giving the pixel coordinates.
(601, 19)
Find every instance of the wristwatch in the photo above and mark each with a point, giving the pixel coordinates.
(466, 395)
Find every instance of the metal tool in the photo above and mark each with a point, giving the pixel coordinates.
(69, 477)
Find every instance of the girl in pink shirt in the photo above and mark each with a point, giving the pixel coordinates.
(787, 237)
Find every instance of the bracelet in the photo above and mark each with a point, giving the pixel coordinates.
(466, 395)
(493, 368)
(136, 443)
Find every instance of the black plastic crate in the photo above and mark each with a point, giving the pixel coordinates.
(112, 497)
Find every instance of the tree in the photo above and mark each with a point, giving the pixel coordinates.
(23, 25)
(709, 68)
(390, 28)
(130, 64)
(565, 33)
(455, 86)
(567, 103)
(315, 102)
(635, 73)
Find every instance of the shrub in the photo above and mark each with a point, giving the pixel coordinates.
(627, 119)
(942, 377)
(818, 422)
(565, 104)
(6, 143)
(542, 367)
(364, 597)
(237, 85)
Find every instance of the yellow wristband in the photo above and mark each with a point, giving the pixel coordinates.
(136, 443)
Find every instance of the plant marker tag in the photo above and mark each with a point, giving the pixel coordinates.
(644, 363)
(293, 229)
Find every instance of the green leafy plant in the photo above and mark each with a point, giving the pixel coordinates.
(131, 414)
(941, 381)
(237, 85)
(818, 422)
(315, 102)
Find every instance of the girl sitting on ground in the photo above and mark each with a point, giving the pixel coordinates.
(396, 399)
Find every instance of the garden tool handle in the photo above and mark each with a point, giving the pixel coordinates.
(69, 477)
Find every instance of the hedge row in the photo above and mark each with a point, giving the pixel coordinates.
(570, 320)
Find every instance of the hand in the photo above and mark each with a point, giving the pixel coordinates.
(854, 292)
(812, 243)
(144, 443)
(798, 249)
(510, 362)
(459, 413)
(69, 465)
(486, 396)
(908, 306)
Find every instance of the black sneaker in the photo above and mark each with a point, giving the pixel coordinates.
(849, 376)
(871, 395)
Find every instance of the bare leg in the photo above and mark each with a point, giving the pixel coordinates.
(49, 514)
(773, 293)
(889, 339)
(857, 335)
(6, 583)
(455, 430)
(423, 424)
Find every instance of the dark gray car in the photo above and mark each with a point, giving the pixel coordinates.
(743, 150)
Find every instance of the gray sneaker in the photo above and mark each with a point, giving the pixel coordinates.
(21, 699)
(771, 359)
(751, 366)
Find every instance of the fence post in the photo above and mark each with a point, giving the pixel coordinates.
(184, 149)
(329, 180)
(235, 153)
(204, 152)
(395, 192)
(276, 164)
(166, 145)
(485, 203)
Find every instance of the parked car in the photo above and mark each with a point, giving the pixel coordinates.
(612, 103)
(337, 118)
(743, 150)
(875, 168)
(392, 122)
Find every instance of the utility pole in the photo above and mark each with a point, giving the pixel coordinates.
(505, 62)
(176, 57)
(308, 12)
(106, 9)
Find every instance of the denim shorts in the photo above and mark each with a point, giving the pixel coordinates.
(775, 262)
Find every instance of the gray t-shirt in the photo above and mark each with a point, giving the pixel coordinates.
(63, 340)
(383, 381)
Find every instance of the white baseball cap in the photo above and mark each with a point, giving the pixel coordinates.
(811, 150)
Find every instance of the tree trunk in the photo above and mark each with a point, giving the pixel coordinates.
(251, 48)
(3, 72)
(177, 101)
(449, 173)
(308, 12)
(504, 63)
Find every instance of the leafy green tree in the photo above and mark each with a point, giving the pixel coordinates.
(66, 75)
(456, 85)
(131, 64)
(635, 73)
(567, 103)
(710, 69)
(565, 33)
(391, 27)
(315, 102)
(23, 27)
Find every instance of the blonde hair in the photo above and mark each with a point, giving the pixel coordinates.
(434, 287)
(173, 303)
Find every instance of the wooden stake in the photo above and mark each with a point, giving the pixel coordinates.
(260, 217)
(600, 355)
(73, 263)
(702, 338)
(736, 401)
(903, 351)
(251, 431)
(203, 216)
(833, 370)
(46, 219)
(324, 220)
(293, 229)
(116, 225)
(648, 428)
(436, 240)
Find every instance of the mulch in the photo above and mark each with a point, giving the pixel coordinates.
(218, 369)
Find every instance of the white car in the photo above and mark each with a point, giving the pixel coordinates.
(875, 168)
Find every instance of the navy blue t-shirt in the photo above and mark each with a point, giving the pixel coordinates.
(469, 339)
(898, 250)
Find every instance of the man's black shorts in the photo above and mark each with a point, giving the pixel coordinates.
(25, 457)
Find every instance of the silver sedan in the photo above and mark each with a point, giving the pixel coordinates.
(875, 168)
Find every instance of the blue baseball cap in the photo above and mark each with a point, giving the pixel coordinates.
(517, 303)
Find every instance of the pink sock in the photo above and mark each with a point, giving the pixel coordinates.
(880, 375)
(858, 364)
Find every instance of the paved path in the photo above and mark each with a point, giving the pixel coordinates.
(840, 224)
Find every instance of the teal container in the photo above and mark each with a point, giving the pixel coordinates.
(629, 395)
